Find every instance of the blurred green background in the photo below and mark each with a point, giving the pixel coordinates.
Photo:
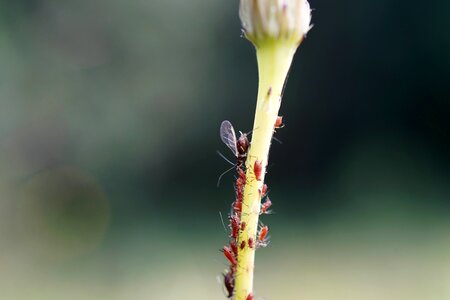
(109, 123)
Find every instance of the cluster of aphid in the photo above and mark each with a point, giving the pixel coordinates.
(239, 147)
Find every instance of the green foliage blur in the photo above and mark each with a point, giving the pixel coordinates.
(109, 126)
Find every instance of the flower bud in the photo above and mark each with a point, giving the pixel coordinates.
(275, 19)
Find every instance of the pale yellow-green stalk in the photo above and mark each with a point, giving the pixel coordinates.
(276, 28)
(274, 60)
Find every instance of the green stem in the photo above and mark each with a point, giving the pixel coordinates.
(274, 60)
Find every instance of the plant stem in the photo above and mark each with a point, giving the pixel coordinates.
(274, 60)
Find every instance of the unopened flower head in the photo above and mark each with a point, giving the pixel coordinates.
(275, 19)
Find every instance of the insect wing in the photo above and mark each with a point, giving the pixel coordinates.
(228, 136)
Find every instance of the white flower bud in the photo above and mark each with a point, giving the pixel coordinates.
(275, 19)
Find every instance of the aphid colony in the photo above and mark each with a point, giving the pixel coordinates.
(239, 147)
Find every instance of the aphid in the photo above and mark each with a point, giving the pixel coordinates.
(263, 240)
(265, 206)
(237, 207)
(249, 297)
(242, 145)
(243, 224)
(233, 247)
(263, 233)
(238, 146)
(240, 183)
(263, 190)
(242, 176)
(279, 122)
(239, 190)
(233, 269)
(234, 224)
(228, 280)
(257, 169)
(239, 193)
(242, 245)
(251, 243)
(229, 255)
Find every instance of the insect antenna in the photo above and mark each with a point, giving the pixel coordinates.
(223, 224)
(221, 175)
(277, 140)
(226, 159)
(249, 132)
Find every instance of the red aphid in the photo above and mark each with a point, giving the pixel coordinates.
(251, 243)
(229, 255)
(243, 224)
(240, 188)
(234, 221)
(263, 190)
(237, 206)
(242, 245)
(249, 297)
(242, 145)
(279, 122)
(263, 234)
(239, 193)
(234, 248)
(257, 169)
(241, 174)
(233, 269)
(265, 206)
(228, 280)
(240, 182)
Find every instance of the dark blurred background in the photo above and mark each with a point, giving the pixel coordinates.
(109, 123)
